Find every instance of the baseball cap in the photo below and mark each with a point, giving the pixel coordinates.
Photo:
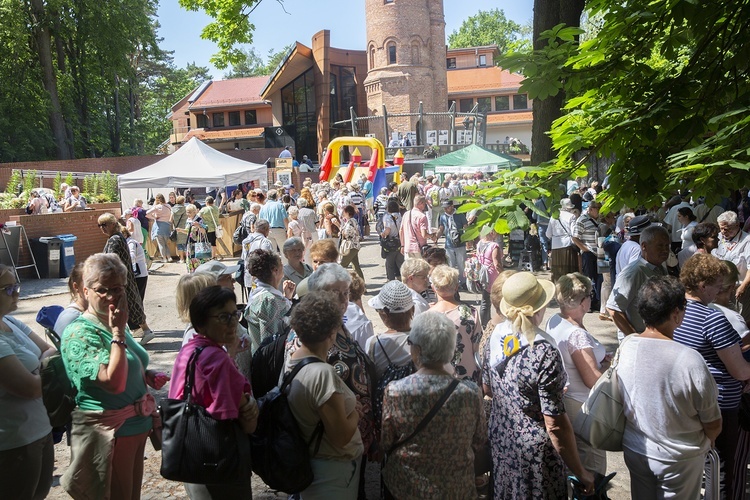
(395, 297)
(447, 203)
(217, 268)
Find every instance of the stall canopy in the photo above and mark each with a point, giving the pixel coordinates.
(472, 159)
(194, 165)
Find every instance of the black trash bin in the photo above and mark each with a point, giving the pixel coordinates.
(48, 254)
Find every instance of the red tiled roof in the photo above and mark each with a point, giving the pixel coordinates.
(232, 91)
(223, 134)
(474, 80)
(512, 117)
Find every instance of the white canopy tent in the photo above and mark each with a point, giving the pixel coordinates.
(193, 165)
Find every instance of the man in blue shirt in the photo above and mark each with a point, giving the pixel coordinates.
(366, 190)
(275, 213)
(452, 225)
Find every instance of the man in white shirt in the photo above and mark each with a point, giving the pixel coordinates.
(286, 153)
(734, 246)
(630, 251)
(675, 225)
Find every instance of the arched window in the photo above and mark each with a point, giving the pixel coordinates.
(415, 52)
(372, 57)
(391, 47)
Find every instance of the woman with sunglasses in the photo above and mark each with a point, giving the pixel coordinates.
(219, 386)
(26, 449)
(116, 244)
(114, 413)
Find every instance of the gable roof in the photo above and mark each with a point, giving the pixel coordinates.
(235, 91)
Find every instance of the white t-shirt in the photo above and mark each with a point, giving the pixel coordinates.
(571, 338)
(420, 304)
(668, 393)
(358, 325)
(22, 420)
(396, 349)
(734, 318)
(66, 317)
(630, 251)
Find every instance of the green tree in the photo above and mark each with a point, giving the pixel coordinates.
(663, 88)
(253, 64)
(491, 27)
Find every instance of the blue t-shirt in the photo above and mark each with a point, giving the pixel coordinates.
(707, 331)
(274, 213)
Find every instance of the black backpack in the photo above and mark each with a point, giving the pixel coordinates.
(58, 392)
(267, 363)
(393, 372)
(279, 454)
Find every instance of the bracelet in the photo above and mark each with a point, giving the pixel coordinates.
(119, 342)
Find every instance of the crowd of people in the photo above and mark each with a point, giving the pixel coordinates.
(452, 400)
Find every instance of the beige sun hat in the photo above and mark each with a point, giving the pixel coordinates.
(525, 293)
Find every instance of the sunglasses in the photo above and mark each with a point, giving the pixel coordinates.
(11, 289)
(227, 318)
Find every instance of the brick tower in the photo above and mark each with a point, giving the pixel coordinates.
(405, 60)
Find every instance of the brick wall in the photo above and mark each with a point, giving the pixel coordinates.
(82, 224)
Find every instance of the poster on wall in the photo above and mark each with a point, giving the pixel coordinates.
(431, 137)
(443, 137)
(460, 134)
(283, 162)
(284, 176)
(412, 136)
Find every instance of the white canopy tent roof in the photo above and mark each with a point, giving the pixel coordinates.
(193, 165)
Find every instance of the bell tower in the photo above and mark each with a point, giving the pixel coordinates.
(405, 61)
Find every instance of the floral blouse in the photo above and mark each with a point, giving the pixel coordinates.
(435, 463)
(468, 335)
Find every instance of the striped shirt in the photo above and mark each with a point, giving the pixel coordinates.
(708, 331)
(587, 230)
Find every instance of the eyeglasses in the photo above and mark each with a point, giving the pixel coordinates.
(410, 342)
(11, 289)
(102, 225)
(227, 318)
(109, 292)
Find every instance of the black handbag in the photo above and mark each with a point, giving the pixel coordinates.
(196, 447)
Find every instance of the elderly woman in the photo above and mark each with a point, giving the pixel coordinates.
(391, 229)
(350, 240)
(464, 317)
(530, 433)
(351, 362)
(331, 221)
(306, 194)
(138, 258)
(582, 355)
(564, 254)
(318, 394)
(267, 306)
(296, 269)
(210, 215)
(219, 387)
(420, 465)
(734, 246)
(26, 449)
(179, 217)
(359, 326)
(670, 398)
(415, 273)
(395, 307)
(187, 288)
(321, 252)
(490, 255)
(709, 332)
(110, 370)
(295, 228)
(161, 214)
(116, 244)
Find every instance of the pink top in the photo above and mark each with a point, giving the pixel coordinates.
(219, 386)
(484, 255)
(159, 212)
(412, 224)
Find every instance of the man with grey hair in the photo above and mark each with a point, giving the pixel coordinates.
(734, 246)
(622, 303)
(254, 241)
(278, 219)
(309, 220)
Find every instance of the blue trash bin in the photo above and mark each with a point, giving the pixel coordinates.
(68, 254)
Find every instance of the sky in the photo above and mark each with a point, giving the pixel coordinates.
(275, 28)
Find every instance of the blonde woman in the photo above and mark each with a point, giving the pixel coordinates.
(295, 228)
(530, 433)
(161, 214)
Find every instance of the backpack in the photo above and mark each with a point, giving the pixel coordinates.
(477, 275)
(279, 454)
(58, 392)
(240, 233)
(267, 363)
(393, 372)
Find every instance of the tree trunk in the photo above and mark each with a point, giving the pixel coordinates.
(547, 14)
(49, 79)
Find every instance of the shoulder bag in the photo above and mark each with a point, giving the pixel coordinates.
(196, 447)
(391, 243)
(601, 421)
(173, 234)
(426, 420)
(219, 229)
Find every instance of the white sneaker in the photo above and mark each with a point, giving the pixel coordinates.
(148, 336)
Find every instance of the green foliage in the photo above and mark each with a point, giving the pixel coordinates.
(69, 180)
(252, 64)
(231, 26)
(56, 183)
(13, 182)
(663, 87)
(29, 181)
(101, 188)
(491, 27)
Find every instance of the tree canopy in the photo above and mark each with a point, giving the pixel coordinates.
(491, 27)
(253, 64)
(662, 88)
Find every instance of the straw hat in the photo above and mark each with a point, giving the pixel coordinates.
(524, 289)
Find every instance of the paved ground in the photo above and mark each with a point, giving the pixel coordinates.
(163, 319)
